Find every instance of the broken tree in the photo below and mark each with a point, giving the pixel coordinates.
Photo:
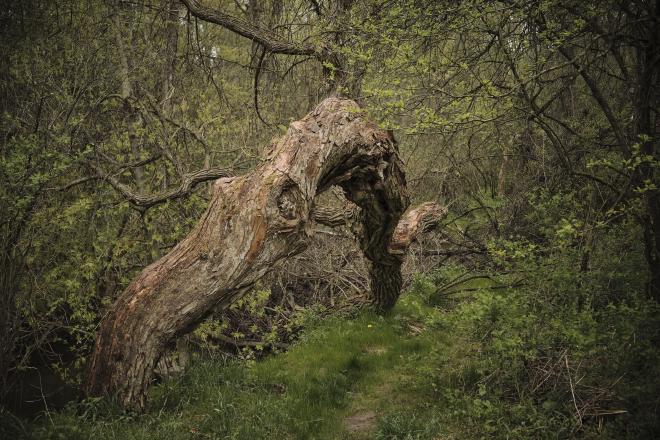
(252, 222)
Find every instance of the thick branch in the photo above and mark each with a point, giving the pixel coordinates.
(188, 182)
(269, 40)
(415, 222)
(386, 257)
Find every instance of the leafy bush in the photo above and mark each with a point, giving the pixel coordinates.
(571, 352)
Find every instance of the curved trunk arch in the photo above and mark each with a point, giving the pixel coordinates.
(252, 222)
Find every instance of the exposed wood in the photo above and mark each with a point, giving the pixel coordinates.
(414, 222)
(254, 221)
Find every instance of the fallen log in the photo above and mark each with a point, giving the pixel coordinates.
(252, 222)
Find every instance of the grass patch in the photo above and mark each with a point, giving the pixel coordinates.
(338, 368)
(498, 363)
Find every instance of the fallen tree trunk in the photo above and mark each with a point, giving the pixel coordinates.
(252, 222)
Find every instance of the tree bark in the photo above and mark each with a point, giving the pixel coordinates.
(252, 222)
(385, 267)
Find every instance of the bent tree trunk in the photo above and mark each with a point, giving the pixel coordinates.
(252, 222)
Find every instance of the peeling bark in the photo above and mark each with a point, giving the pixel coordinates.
(252, 222)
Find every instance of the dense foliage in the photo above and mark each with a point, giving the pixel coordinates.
(535, 122)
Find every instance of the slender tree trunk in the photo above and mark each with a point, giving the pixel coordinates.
(133, 119)
(252, 222)
(171, 47)
(647, 122)
(10, 271)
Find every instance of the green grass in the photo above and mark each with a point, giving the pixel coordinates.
(340, 368)
(463, 366)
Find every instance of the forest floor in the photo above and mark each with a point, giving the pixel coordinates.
(444, 364)
(360, 377)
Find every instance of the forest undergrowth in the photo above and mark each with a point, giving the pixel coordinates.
(463, 355)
